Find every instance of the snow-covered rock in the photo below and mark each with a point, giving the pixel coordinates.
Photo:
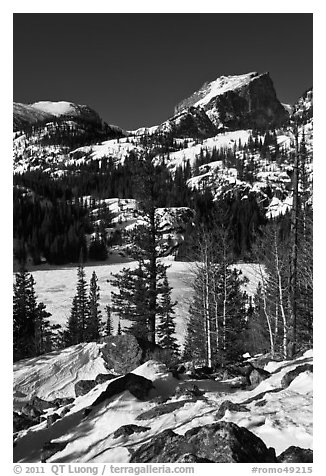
(242, 101)
(280, 417)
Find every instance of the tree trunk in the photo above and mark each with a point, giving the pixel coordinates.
(208, 321)
(292, 334)
(280, 296)
(152, 299)
(268, 320)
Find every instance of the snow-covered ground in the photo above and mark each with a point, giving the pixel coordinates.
(56, 287)
(285, 419)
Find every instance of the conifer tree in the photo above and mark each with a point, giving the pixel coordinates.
(93, 323)
(45, 333)
(146, 237)
(166, 326)
(24, 315)
(32, 333)
(71, 335)
(108, 330)
(130, 303)
(82, 304)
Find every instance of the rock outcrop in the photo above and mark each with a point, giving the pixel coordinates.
(162, 410)
(295, 454)
(122, 353)
(127, 430)
(84, 386)
(227, 405)
(290, 376)
(220, 442)
(137, 385)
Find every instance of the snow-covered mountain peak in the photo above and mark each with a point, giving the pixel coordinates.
(57, 108)
(215, 88)
(46, 111)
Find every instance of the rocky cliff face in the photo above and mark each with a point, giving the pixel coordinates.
(303, 108)
(236, 102)
(191, 122)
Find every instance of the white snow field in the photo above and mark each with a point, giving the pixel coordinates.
(56, 287)
(285, 420)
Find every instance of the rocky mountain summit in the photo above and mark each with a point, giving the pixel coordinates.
(238, 102)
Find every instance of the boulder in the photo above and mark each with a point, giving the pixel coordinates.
(50, 419)
(22, 422)
(290, 376)
(262, 360)
(238, 382)
(295, 454)
(102, 378)
(232, 407)
(258, 375)
(84, 386)
(122, 353)
(31, 411)
(261, 403)
(41, 404)
(199, 375)
(62, 402)
(161, 410)
(19, 394)
(51, 448)
(243, 368)
(137, 385)
(166, 447)
(221, 442)
(188, 391)
(64, 411)
(127, 430)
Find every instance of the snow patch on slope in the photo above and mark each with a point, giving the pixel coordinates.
(117, 149)
(54, 375)
(225, 140)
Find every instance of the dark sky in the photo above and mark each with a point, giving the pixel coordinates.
(133, 68)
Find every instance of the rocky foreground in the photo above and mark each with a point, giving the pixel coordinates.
(75, 406)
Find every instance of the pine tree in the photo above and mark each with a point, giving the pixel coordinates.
(166, 326)
(24, 315)
(32, 333)
(82, 304)
(146, 238)
(71, 335)
(130, 303)
(108, 331)
(45, 333)
(93, 323)
(97, 248)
